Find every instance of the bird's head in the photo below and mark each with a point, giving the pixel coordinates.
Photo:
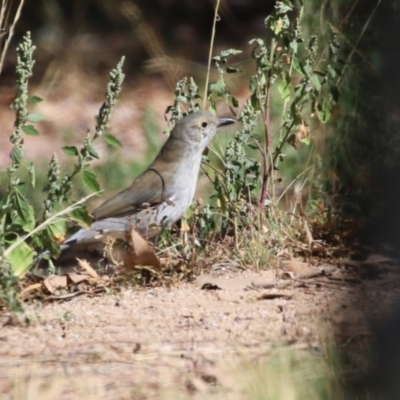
(198, 129)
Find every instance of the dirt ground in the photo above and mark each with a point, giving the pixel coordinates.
(183, 340)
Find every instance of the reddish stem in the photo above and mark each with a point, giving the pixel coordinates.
(267, 125)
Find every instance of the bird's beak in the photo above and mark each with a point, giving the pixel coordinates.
(225, 121)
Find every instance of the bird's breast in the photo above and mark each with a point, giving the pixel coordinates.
(181, 189)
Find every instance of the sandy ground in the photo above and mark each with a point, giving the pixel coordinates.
(187, 339)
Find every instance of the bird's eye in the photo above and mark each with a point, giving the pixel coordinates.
(204, 124)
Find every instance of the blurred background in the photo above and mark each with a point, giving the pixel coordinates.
(79, 42)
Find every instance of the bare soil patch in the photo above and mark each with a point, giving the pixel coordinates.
(152, 343)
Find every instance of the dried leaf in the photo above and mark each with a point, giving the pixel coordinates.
(30, 288)
(303, 270)
(303, 132)
(53, 282)
(319, 249)
(184, 226)
(88, 268)
(298, 266)
(141, 253)
(77, 278)
(308, 233)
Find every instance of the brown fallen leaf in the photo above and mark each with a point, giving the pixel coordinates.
(54, 282)
(141, 254)
(303, 270)
(77, 278)
(310, 239)
(31, 288)
(319, 249)
(299, 267)
(88, 268)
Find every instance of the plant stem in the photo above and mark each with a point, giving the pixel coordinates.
(278, 150)
(267, 125)
(210, 53)
(3, 22)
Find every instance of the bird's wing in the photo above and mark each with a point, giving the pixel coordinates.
(146, 191)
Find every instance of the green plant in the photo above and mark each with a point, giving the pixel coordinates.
(305, 77)
(25, 233)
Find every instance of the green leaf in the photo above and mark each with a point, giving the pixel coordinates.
(307, 69)
(31, 170)
(57, 231)
(293, 45)
(34, 117)
(81, 216)
(90, 181)
(255, 102)
(30, 130)
(277, 26)
(217, 87)
(93, 152)
(315, 81)
(284, 90)
(27, 220)
(16, 154)
(24, 210)
(306, 140)
(324, 111)
(30, 219)
(332, 71)
(283, 8)
(297, 65)
(235, 102)
(21, 259)
(212, 109)
(112, 140)
(34, 99)
(70, 151)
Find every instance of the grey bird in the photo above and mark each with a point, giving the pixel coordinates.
(161, 194)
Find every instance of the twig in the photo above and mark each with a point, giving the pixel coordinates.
(210, 53)
(10, 33)
(267, 125)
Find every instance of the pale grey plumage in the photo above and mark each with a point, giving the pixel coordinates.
(162, 193)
